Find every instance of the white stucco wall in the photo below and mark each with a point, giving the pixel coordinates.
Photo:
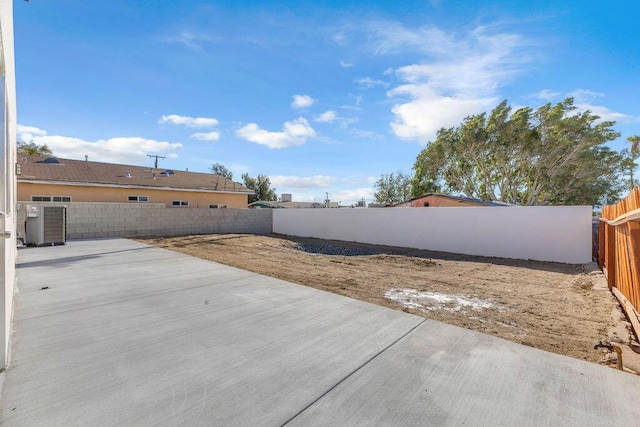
(7, 175)
(561, 234)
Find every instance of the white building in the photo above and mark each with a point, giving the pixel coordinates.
(7, 176)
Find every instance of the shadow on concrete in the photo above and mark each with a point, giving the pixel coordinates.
(70, 260)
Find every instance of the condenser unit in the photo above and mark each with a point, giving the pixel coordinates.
(46, 225)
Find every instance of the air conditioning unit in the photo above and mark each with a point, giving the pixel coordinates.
(46, 225)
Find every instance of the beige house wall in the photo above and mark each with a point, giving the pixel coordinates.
(87, 193)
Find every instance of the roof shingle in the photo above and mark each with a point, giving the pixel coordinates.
(34, 168)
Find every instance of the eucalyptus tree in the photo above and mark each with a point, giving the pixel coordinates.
(552, 155)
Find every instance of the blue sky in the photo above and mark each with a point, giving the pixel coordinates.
(321, 96)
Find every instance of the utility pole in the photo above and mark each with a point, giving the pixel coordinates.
(156, 157)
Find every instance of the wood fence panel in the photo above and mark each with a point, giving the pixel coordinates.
(619, 243)
(634, 258)
(610, 254)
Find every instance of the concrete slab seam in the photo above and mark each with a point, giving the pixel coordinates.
(365, 363)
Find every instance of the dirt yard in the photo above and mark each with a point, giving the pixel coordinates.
(546, 305)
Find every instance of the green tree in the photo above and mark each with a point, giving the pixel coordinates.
(262, 187)
(393, 188)
(630, 156)
(220, 169)
(552, 155)
(33, 149)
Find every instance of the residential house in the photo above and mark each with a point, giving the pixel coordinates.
(444, 200)
(51, 179)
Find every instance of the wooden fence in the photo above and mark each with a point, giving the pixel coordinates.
(619, 252)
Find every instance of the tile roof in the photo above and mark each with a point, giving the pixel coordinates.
(35, 168)
(460, 198)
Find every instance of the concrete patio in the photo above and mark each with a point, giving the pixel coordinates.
(114, 332)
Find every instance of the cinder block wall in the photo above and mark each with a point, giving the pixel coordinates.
(96, 220)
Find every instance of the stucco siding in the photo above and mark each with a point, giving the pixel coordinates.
(543, 233)
(120, 195)
(8, 124)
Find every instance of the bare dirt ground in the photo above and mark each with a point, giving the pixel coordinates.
(550, 306)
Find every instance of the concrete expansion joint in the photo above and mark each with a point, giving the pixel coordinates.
(365, 363)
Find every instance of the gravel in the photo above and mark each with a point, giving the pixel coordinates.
(329, 249)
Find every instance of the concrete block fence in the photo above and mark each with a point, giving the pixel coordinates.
(98, 220)
(541, 233)
(560, 234)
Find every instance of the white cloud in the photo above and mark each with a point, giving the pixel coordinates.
(188, 39)
(357, 101)
(292, 181)
(359, 133)
(459, 76)
(585, 94)
(346, 197)
(206, 136)
(339, 38)
(192, 122)
(392, 37)
(328, 116)
(351, 196)
(547, 95)
(370, 83)
(27, 133)
(127, 150)
(606, 114)
(428, 111)
(302, 101)
(294, 133)
(584, 100)
(345, 64)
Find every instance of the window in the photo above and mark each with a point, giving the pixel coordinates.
(217, 206)
(63, 199)
(180, 203)
(138, 198)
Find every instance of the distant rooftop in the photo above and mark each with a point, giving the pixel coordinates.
(263, 204)
(67, 171)
(479, 202)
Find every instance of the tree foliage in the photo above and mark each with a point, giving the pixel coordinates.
(220, 169)
(262, 187)
(630, 155)
(393, 188)
(33, 149)
(552, 155)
